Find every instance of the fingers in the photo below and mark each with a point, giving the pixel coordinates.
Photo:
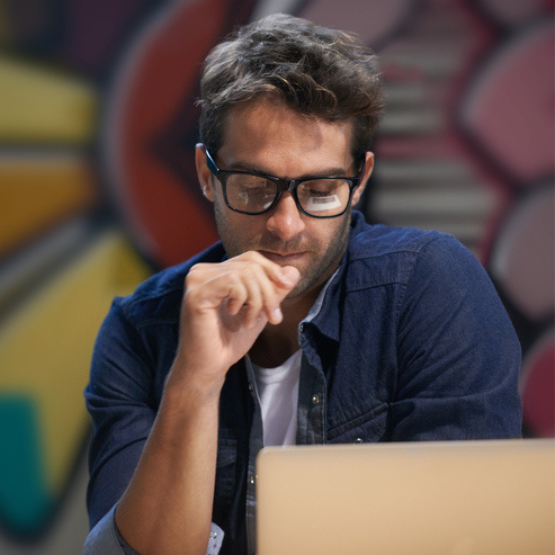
(249, 284)
(270, 284)
(290, 276)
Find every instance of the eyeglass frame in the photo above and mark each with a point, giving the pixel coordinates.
(283, 185)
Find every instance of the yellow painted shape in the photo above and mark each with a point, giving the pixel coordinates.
(37, 104)
(37, 192)
(45, 349)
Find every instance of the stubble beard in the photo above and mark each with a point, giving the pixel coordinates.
(317, 272)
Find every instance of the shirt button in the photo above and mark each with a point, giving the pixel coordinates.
(252, 479)
(301, 328)
(315, 399)
(251, 387)
(359, 440)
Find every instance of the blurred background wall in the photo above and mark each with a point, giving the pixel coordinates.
(98, 190)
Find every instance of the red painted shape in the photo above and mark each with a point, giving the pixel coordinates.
(510, 109)
(154, 129)
(538, 395)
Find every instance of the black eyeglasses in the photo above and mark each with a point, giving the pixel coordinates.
(256, 193)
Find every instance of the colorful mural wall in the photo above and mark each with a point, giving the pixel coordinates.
(98, 190)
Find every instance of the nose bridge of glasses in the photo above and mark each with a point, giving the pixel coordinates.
(286, 185)
(287, 204)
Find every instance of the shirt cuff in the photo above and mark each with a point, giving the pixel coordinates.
(105, 539)
(216, 539)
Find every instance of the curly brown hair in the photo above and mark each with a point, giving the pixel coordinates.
(316, 71)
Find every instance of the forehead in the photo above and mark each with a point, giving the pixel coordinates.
(272, 136)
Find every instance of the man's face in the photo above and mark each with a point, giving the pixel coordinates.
(272, 139)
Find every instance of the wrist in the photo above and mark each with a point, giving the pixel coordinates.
(191, 385)
(185, 409)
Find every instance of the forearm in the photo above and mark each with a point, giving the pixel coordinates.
(167, 507)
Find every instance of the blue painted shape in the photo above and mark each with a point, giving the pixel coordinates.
(25, 502)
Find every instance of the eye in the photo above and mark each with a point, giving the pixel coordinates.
(254, 191)
(320, 193)
(323, 187)
(250, 192)
(248, 181)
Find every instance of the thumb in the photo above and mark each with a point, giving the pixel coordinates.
(290, 276)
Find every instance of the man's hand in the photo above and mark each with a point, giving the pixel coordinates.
(168, 503)
(225, 307)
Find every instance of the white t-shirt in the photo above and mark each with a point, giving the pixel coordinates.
(278, 391)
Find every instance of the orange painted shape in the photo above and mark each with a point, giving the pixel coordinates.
(37, 193)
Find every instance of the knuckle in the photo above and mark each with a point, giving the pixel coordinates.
(199, 267)
(249, 273)
(196, 272)
(251, 255)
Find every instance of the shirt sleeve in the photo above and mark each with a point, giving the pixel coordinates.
(120, 400)
(458, 354)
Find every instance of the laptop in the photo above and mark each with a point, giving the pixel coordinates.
(456, 498)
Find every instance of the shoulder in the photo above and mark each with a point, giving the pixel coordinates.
(159, 297)
(374, 241)
(380, 254)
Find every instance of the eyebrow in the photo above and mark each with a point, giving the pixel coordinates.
(253, 168)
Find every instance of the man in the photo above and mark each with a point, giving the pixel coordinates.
(304, 325)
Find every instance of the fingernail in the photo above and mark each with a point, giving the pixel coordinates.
(277, 314)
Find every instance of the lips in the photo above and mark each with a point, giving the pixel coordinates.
(284, 258)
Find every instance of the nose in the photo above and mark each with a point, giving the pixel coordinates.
(285, 219)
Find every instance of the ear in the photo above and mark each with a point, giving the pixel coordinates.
(203, 173)
(365, 175)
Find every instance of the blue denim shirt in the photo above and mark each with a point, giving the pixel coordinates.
(410, 342)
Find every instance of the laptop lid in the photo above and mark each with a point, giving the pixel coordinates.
(472, 497)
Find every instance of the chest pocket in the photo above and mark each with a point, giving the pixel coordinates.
(361, 424)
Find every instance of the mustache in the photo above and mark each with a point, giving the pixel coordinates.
(275, 244)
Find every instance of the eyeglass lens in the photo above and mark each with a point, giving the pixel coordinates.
(319, 197)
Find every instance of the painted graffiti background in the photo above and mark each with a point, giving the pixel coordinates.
(98, 190)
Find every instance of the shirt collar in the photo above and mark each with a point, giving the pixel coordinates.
(325, 312)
